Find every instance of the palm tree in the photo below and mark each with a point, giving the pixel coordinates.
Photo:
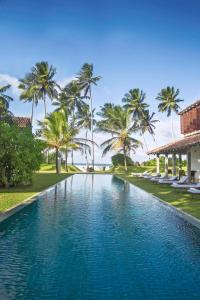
(52, 131)
(60, 135)
(134, 102)
(43, 75)
(70, 100)
(4, 102)
(147, 124)
(107, 114)
(84, 121)
(121, 131)
(169, 102)
(87, 79)
(29, 92)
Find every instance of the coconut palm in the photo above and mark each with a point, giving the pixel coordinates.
(134, 102)
(121, 130)
(169, 103)
(84, 121)
(4, 102)
(146, 124)
(87, 79)
(43, 75)
(107, 114)
(70, 100)
(29, 92)
(52, 132)
(60, 135)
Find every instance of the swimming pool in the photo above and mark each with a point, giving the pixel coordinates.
(98, 237)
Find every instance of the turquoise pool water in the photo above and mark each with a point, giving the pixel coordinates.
(97, 237)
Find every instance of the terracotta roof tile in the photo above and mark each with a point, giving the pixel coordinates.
(179, 146)
(196, 103)
(22, 122)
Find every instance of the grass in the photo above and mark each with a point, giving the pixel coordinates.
(179, 198)
(50, 168)
(12, 196)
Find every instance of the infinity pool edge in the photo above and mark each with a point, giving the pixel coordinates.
(18, 207)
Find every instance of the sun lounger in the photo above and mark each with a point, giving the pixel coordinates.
(183, 180)
(140, 174)
(145, 175)
(169, 180)
(194, 190)
(186, 185)
(155, 179)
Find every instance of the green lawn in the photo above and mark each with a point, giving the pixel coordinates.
(12, 196)
(179, 198)
(51, 168)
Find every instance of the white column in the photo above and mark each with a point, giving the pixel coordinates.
(166, 164)
(189, 166)
(158, 164)
(179, 164)
(173, 164)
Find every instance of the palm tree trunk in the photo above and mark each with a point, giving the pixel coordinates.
(33, 103)
(86, 157)
(57, 168)
(45, 106)
(66, 157)
(45, 114)
(172, 126)
(72, 156)
(125, 161)
(92, 131)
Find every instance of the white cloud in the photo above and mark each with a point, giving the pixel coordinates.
(13, 81)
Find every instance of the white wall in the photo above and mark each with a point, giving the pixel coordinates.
(195, 161)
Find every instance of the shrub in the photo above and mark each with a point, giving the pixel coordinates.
(20, 155)
(118, 160)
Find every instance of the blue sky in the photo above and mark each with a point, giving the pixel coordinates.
(145, 44)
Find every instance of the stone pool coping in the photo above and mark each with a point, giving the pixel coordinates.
(16, 208)
(179, 212)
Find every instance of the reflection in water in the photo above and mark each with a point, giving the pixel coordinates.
(96, 237)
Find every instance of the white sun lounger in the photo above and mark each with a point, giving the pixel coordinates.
(194, 190)
(169, 180)
(185, 186)
(140, 174)
(159, 178)
(145, 175)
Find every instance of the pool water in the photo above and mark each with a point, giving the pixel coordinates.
(98, 237)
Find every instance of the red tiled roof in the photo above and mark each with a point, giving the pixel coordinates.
(179, 146)
(196, 103)
(22, 122)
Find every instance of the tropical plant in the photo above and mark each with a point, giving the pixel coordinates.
(20, 155)
(118, 160)
(4, 102)
(121, 130)
(43, 75)
(169, 103)
(29, 91)
(87, 79)
(134, 102)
